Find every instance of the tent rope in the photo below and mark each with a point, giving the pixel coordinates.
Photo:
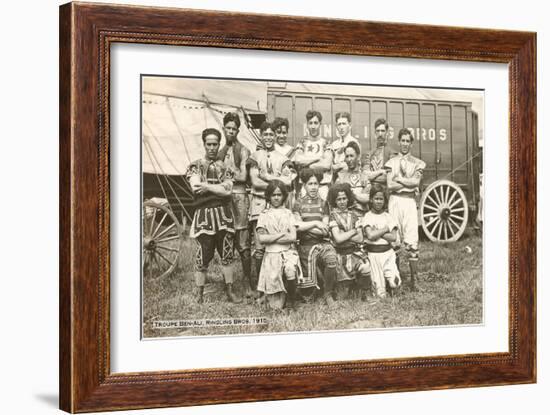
(460, 165)
(183, 189)
(209, 104)
(201, 101)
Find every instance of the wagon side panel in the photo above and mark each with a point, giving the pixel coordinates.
(444, 155)
(361, 120)
(282, 105)
(459, 136)
(427, 148)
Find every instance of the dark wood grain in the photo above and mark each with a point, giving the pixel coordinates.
(86, 33)
(65, 247)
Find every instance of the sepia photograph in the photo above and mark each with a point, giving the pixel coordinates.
(261, 206)
(274, 206)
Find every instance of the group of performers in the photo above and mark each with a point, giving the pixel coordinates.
(315, 220)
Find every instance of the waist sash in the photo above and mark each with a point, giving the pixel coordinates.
(409, 195)
(377, 249)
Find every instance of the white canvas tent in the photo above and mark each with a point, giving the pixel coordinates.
(176, 110)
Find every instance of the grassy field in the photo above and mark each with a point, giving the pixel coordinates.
(450, 292)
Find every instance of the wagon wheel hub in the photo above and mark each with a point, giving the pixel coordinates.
(445, 213)
(149, 244)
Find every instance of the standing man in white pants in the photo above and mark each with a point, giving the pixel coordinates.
(403, 180)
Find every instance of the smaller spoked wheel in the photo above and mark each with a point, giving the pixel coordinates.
(443, 211)
(162, 240)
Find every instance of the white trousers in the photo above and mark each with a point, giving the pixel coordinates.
(403, 210)
(383, 267)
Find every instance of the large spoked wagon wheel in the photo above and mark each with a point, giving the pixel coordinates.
(162, 240)
(443, 211)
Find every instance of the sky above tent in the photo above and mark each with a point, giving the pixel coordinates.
(251, 95)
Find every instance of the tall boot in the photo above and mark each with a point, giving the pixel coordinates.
(231, 297)
(200, 294)
(413, 265)
(291, 293)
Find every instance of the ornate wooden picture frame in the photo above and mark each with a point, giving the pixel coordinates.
(87, 32)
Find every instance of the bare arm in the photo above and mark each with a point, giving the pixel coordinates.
(342, 236)
(316, 228)
(339, 166)
(285, 177)
(266, 178)
(375, 234)
(194, 181)
(222, 189)
(317, 232)
(257, 182)
(240, 173)
(362, 198)
(302, 161)
(358, 236)
(267, 238)
(325, 163)
(371, 175)
(392, 184)
(408, 182)
(323, 225)
(309, 226)
(289, 237)
(390, 236)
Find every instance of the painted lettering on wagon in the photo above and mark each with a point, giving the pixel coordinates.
(422, 133)
(428, 133)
